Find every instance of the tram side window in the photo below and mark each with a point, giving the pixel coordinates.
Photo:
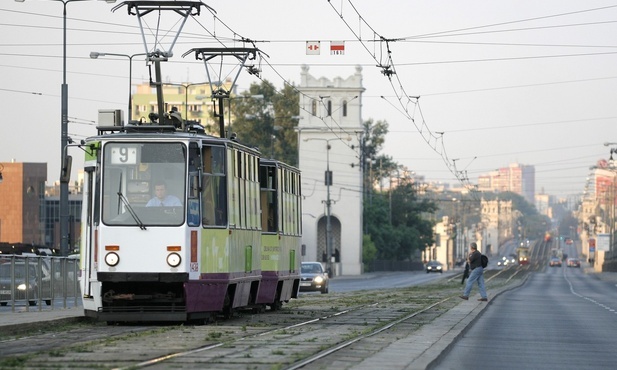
(268, 198)
(214, 194)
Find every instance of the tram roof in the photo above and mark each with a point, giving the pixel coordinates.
(162, 132)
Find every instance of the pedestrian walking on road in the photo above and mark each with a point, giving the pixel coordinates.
(476, 274)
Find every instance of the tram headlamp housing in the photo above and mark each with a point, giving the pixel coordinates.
(112, 258)
(174, 259)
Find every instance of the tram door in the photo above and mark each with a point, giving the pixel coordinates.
(90, 219)
(193, 208)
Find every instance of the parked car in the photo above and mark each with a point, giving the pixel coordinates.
(555, 261)
(27, 284)
(313, 278)
(573, 262)
(434, 266)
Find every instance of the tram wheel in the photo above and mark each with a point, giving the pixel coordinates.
(259, 309)
(277, 305)
(228, 311)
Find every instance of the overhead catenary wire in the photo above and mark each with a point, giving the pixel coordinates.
(220, 36)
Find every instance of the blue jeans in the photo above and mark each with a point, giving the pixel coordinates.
(476, 274)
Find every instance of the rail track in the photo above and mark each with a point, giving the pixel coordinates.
(313, 331)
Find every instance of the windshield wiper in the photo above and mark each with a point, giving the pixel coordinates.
(122, 198)
(131, 211)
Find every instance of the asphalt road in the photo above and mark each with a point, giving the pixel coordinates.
(560, 319)
(381, 280)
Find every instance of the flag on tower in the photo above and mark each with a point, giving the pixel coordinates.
(313, 47)
(337, 47)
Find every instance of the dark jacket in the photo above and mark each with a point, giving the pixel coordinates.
(465, 273)
(475, 259)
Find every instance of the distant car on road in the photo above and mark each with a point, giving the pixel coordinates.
(573, 262)
(313, 278)
(568, 241)
(555, 261)
(434, 266)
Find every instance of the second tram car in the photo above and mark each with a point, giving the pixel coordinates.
(281, 226)
(179, 225)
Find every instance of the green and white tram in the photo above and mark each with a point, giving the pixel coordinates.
(177, 227)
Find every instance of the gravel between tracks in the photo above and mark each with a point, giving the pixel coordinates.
(244, 344)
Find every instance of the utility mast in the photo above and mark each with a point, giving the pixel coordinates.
(157, 53)
(155, 50)
(219, 93)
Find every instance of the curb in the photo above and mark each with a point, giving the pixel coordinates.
(13, 329)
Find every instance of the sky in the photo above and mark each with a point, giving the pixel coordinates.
(477, 85)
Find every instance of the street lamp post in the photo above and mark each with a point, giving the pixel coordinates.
(186, 94)
(328, 183)
(64, 139)
(96, 54)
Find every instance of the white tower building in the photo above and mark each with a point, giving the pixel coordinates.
(329, 137)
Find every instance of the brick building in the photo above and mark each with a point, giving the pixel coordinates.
(30, 210)
(22, 196)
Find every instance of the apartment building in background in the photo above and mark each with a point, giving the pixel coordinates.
(516, 178)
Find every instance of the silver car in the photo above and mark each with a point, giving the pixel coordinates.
(313, 278)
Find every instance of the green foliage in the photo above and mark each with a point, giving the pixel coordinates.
(376, 166)
(395, 224)
(267, 119)
(369, 251)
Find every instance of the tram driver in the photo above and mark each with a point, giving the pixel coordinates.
(161, 199)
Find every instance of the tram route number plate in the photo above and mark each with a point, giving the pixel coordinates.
(124, 154)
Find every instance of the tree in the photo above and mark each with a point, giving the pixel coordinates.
(376, 166)
(407, 210)
(267, 119)
(369, 251)
(394, 217)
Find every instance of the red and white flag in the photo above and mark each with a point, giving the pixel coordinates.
(313, 47)
(337, 47)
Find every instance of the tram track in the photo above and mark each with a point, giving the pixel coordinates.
(350, 326)
(313, 331)
(323, 354)
(240, 339)
(268, 340)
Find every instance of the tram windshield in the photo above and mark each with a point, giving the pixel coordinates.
(144, 184)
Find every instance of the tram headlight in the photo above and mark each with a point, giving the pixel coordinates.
(174, 259)
(112, 258)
